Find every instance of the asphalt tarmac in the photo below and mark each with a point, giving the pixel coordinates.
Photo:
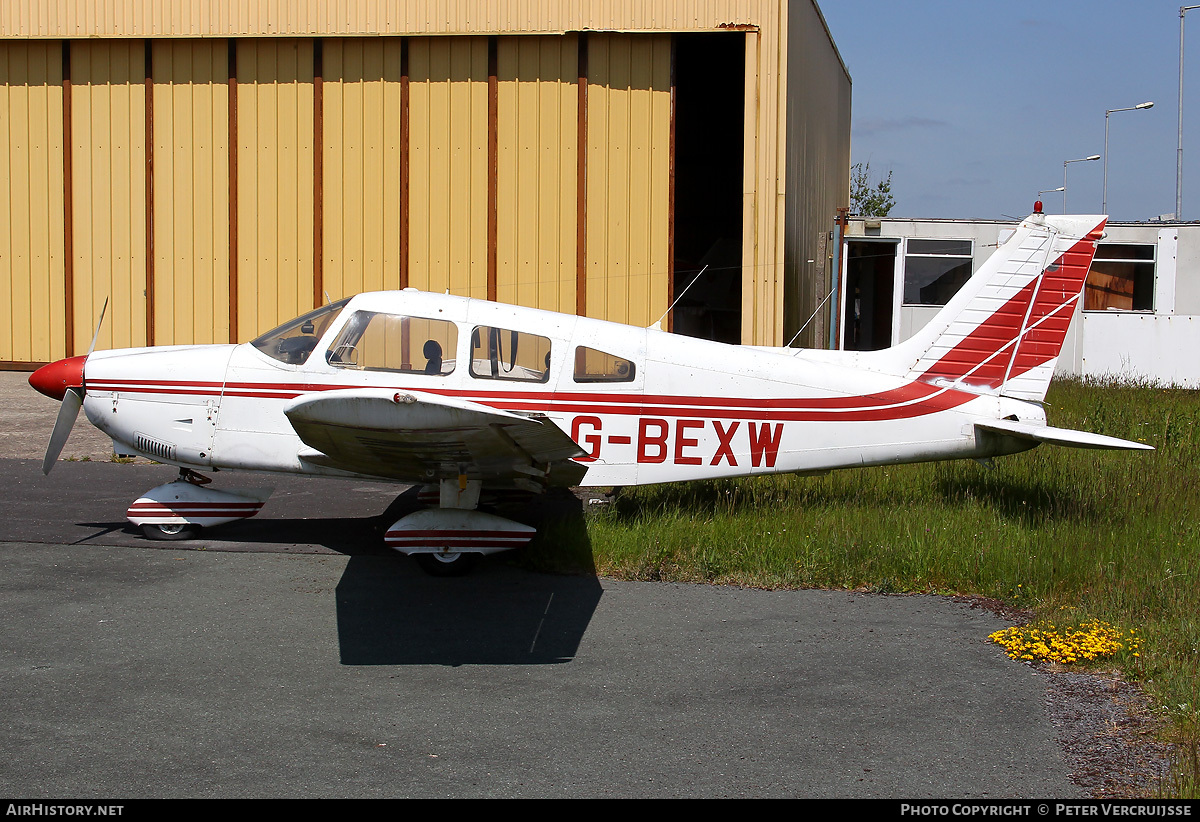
(291, 656)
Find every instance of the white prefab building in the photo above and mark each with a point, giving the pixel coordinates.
(1139, 318)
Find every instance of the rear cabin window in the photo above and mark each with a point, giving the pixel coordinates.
(507, 354)
(597, 366)
(1121, 278)
(373, 341)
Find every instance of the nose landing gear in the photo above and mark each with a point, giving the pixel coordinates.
(179, 509)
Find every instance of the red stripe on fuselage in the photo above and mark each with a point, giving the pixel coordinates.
(910, 400)
(280, 390)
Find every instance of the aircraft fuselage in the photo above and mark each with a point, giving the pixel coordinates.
(683, 408)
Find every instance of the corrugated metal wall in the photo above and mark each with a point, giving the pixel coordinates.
(448, 161)
(764, 186)
(191, 199)
(818, 113)
(479, 163)
(275, 219)
(629, 177)
(108, 190)
(348, 18)
(32, 301)
(537, 171)
(362, 196)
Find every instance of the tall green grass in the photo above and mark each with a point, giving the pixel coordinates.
(1067, 534)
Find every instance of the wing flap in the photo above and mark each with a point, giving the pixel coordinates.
(1059, 436)
(415, 437)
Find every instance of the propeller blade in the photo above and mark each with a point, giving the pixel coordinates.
(66, 376)
(67, 412)
(96, 336)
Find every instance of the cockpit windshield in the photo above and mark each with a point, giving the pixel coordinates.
(293, 341)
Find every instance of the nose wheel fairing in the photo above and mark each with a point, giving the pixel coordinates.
(183, 503)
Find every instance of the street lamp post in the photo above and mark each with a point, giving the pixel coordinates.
(1048, 191)
(1183, 10)
(1064, 188)
(1138, 107)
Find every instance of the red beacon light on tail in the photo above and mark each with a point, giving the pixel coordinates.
(1037, 206)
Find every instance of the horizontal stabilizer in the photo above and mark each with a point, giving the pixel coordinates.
(1059, 436)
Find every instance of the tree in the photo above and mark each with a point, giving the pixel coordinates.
(866, 198)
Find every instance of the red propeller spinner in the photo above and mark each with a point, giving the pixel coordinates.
(54, 379)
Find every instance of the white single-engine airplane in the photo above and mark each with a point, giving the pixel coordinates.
(471, 397)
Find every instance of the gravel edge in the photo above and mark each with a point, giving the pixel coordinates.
(1111, 740)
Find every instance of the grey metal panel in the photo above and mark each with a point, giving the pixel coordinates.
(817, 175)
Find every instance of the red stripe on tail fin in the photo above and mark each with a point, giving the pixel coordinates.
(1012, 318)
(983, 357)
(1055, 304)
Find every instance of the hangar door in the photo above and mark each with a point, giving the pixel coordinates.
(215, 188)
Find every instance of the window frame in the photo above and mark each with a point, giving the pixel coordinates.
(339, 342)
(274, 343)
(968, 258)
(505, 376)
(1134, 262)
(602, 378)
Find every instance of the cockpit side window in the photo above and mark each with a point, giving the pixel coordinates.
(597, 366)
(505, 354)
(293, 341)
(373, 341)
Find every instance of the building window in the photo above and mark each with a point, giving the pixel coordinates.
(934, 270)
(1121, 278)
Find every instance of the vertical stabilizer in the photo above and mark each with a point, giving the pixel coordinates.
(1003, 331)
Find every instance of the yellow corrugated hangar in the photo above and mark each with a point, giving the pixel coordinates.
(215, 167)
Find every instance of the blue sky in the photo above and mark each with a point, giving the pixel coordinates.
(974, 105)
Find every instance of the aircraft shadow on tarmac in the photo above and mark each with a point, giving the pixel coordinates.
(390, 612)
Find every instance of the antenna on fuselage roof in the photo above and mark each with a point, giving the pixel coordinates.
(327, 300)
(657, 326)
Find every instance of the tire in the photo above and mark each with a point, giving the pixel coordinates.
(446, 565)
(170, 532)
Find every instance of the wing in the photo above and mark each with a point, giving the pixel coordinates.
(417, 437)
(1059, 436)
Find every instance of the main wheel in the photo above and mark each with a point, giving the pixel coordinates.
(450, 564)
(170, 531)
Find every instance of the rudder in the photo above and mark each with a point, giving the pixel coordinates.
(1003, 331)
